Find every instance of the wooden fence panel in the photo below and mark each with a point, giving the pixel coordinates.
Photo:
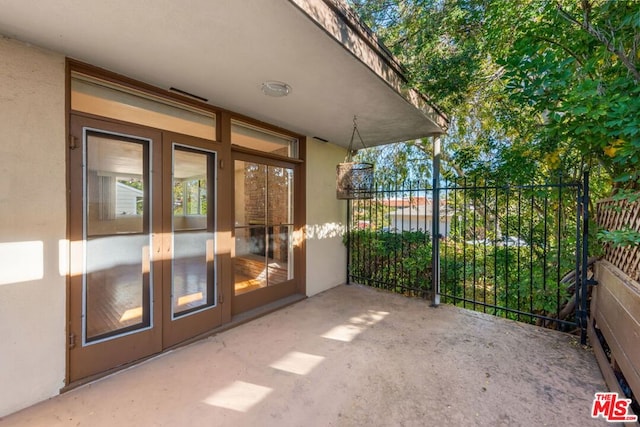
(618, 215)
(615, 304)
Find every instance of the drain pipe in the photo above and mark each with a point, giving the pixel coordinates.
(348, 242)
(435, 225)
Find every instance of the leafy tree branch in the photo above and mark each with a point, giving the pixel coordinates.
(627, 60)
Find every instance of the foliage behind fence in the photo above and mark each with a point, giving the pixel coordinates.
(512, 251)
(399, 262)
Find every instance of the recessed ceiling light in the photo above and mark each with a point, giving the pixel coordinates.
(275, 88)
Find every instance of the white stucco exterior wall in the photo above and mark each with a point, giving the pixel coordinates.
(32, 225)
(326, 219)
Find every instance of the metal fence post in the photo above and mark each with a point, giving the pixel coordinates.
(435, 225)
(348, 241)
(582, 315)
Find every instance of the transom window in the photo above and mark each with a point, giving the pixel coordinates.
(106, 99)
(255, 138)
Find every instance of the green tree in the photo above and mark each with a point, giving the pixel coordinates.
(533, 87)
(575, 65)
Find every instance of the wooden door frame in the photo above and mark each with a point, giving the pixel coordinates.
(202, 322)
(135, 345)
(109, 357)
(225, 187)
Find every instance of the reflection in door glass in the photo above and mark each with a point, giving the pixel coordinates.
(281, 254)
(280, 220)
(117, 278)
(193, 273)
(115, 186)
(249, 263)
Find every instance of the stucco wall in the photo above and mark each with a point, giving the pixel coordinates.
(326, 219)
(32, 225)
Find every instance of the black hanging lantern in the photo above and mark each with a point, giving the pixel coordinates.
(354, 180)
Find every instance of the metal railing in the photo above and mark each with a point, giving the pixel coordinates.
(388, 242)
(511, 251)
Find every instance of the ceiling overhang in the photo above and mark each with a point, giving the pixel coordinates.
(224, 50)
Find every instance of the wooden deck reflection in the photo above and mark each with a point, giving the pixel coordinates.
(114, 297)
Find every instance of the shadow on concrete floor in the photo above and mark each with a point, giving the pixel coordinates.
(351, 356)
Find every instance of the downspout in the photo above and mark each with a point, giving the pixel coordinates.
(348, 242)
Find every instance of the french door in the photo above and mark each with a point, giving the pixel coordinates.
(265, 258)
(144, 265)
(192, 292)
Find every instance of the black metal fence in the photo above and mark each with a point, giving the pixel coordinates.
(511, 251)
(389, 242)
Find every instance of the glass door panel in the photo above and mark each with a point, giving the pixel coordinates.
(280, 224)
(263, 226)
(193, 262)
(280, 196)
(250, 226)
(117, 277)
(117, 285)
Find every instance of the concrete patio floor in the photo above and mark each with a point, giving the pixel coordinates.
(351, 356)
